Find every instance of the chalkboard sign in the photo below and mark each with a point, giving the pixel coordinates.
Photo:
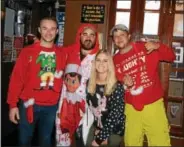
(93, 14)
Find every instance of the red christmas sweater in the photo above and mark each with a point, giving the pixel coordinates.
(143, 68)
(29, 72)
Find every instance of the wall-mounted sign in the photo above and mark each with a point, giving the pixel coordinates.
(176, 88)
(93, 14)
(60, 16)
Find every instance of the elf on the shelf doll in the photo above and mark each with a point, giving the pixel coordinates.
(72, 105)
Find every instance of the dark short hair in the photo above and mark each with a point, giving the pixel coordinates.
(49, 18)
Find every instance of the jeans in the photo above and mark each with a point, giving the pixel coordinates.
(44, 116)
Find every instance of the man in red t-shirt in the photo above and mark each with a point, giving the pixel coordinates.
(35, 85)
(137, 65)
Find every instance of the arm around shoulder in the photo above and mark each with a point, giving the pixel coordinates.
(166, 53)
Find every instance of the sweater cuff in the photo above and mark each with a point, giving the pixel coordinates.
(12, 105)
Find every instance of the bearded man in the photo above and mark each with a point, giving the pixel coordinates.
(83, 52)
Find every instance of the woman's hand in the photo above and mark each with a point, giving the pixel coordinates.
(94, 143)
(97, 131)
(104, 142)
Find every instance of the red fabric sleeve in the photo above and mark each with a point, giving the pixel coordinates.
(17, 80)
(166, 53)
(67, 50)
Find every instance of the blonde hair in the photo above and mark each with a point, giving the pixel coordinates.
(111, 77)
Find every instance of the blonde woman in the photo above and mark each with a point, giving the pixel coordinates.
(105, 97)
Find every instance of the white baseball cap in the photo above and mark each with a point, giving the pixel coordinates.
(118, 27)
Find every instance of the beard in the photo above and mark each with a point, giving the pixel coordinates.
(120, 45)
(87, 44)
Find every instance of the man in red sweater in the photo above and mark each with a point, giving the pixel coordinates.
(72, 104)
(137, 67)
(35, 85)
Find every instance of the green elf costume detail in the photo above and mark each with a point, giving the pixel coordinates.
(47, 62)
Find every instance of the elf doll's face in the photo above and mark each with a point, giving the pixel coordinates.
(72, 81)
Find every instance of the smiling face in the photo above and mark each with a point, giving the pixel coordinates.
(102, 63)
(48, 30)
(88, 39)
(121, 38)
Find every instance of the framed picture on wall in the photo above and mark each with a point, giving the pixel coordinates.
(179, 62)
(175, 113)
(176, 88)
(179, 51)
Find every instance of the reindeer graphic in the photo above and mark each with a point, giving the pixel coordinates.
(102, 101)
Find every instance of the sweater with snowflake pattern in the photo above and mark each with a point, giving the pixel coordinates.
(112, 116)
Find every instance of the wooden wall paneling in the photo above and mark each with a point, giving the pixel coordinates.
(177, 124)
(112, 14)
(134, 15)
(111, 21)
(165, 27)
(165, 69)
(73, 17)
(140, 5)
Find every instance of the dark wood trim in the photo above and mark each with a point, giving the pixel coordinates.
(177, 69)
(123, 10)
(133, 16)
(152, 11)
(175, 99)
(111, 22)
(112, 14)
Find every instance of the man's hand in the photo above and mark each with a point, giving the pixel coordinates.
(151, 46)
(14, 115)
(128, 81)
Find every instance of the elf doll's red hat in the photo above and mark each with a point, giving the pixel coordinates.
(73, 64)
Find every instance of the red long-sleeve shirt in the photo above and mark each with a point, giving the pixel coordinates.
(25, 80)
(143, 68)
